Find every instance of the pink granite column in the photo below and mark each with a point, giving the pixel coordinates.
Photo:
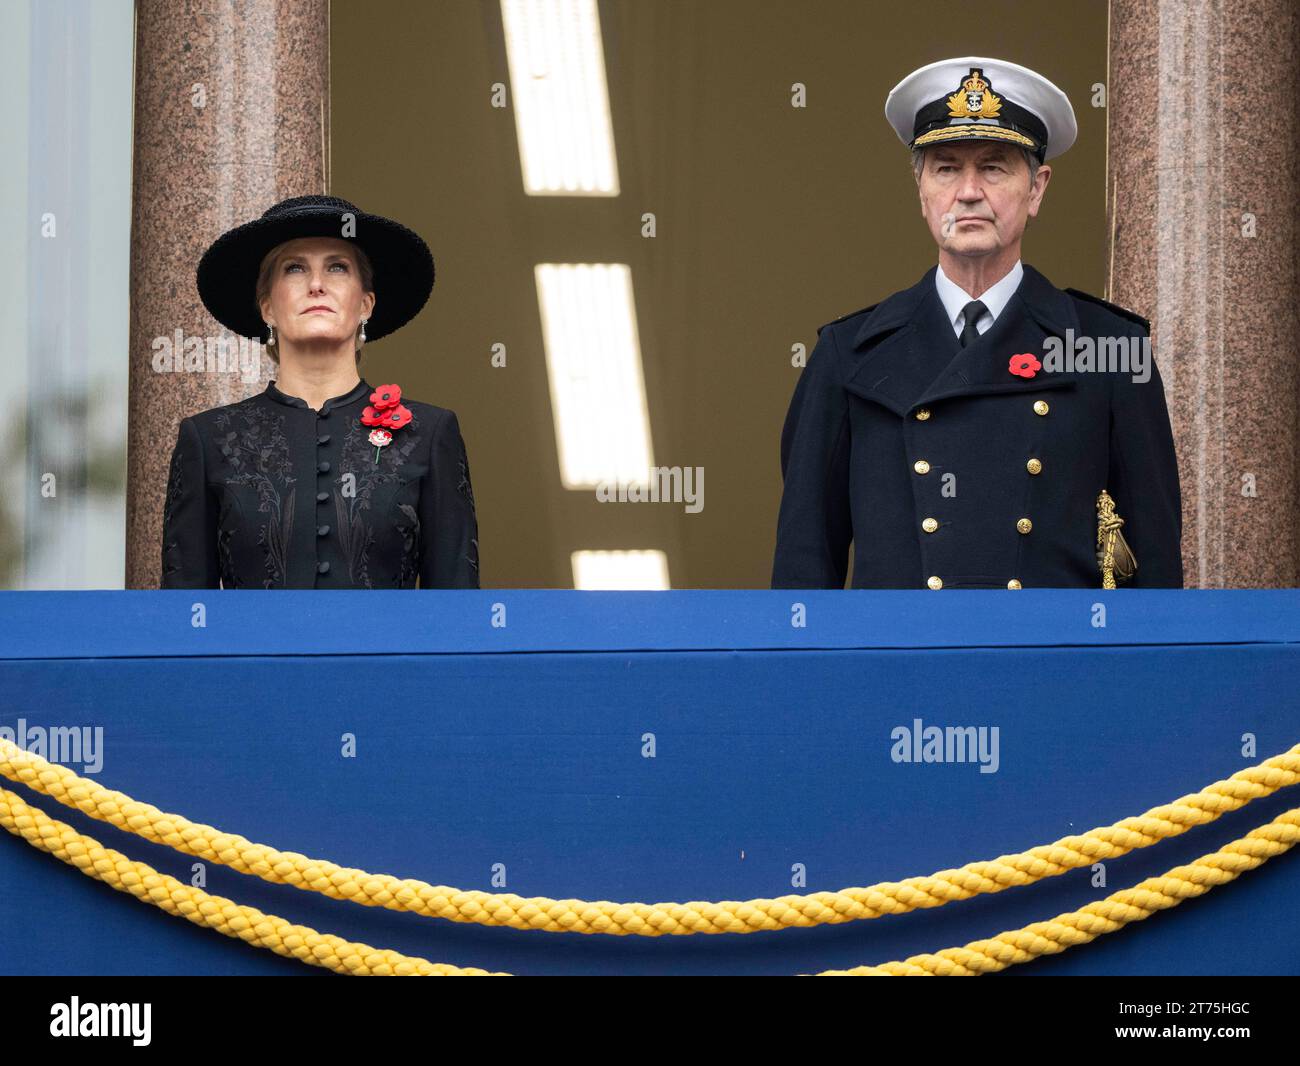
(231, 116)
(1203, 178)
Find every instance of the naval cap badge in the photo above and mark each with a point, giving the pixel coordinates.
(975, 98)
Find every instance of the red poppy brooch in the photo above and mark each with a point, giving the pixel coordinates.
(1025, 365)
(387, 413)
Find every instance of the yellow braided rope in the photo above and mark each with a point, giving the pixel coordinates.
(1104, 916)
(649, 919)
(317, 949)
(202, 908)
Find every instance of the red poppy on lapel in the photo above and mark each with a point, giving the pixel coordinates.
(1025, 365)
(392, 418)
(386, 396)
(387, 412)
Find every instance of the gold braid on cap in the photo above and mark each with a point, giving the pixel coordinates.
(977, 130)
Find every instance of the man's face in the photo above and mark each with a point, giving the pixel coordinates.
(976, 197)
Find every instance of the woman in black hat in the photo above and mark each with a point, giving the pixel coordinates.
(322, 480)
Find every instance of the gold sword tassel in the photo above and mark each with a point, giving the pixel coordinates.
(1116, 556)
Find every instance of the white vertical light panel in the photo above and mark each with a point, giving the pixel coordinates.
(593, 362)
(561, 101)
(620, 570)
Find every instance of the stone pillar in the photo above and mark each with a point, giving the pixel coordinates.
(1202, 160)
(231, 116)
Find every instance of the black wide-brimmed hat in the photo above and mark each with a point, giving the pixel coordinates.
(403, 265)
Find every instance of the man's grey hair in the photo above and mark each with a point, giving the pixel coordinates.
(1031, 161)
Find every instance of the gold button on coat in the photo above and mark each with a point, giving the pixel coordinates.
(935, 583)
(922, 414)
(921, 466)
(1024, 525)
(929, 525)
(1013, 584)
(1034, 466)
(1040, 407)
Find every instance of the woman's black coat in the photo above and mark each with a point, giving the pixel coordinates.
(269, 493)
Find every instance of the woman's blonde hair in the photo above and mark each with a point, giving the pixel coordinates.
(266, 273)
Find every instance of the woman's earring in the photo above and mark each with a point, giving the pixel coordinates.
(363, 330)
(270, 335)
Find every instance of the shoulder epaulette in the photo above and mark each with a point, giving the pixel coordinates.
(851, 314)
(1123, 312)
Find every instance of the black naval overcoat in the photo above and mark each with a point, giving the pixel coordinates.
(269, 493)
(944, 470)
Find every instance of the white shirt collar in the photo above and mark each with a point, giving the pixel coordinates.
(954, 297)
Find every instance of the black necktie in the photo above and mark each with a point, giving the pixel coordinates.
(971, 312)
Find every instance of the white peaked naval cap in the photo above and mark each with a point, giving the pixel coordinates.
(977, 98)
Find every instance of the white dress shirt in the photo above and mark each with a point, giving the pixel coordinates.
(955, 298)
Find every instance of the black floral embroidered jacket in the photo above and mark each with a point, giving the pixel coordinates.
(269, 493)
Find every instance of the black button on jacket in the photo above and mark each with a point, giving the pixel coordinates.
(269, 493)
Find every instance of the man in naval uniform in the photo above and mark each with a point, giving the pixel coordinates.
(964, 433)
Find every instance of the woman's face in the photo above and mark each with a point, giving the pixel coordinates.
(316, 297)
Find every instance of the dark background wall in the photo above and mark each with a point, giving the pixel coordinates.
(771, 221)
